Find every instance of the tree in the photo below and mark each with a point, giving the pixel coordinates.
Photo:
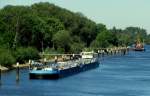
(12, 15)
(104, 39)
(100, 27)
(42, 25)
(24, 54)
(52, 26)
(6, 58)
(62, 39)
(88, 32)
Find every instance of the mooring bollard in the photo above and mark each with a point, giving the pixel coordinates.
(30, 64)
(55, 59)
(45, 61)
(17, 72)
(98, 53)
(124, 52)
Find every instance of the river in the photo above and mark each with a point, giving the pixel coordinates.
(127, 75)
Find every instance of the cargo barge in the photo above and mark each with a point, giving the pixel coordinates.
(60, 69)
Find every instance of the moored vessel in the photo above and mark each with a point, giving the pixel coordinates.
(59, 69)
(139, 46)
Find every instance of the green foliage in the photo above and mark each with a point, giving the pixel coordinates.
(62, 39)
(147, 40)
(77, 47)
(88, 32)
(24, 54)
(129, 35)
(45, 25)
(101, 28)
(50, 51)
(104, 39)
(6, 58)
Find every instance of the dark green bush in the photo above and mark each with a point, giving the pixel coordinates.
(24, 54)
(77, 47)
(6, 58)
(50, 51)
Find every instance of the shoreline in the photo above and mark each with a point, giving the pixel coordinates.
(21, 65)
(102, 51)
(5, 69)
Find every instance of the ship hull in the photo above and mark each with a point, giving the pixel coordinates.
(44, 74)
(64, 72)
(139, 49)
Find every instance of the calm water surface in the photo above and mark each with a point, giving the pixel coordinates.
(127, 75)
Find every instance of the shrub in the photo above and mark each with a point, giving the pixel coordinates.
(6, 58)
(77, 47)
(50, 51)
(24, 54)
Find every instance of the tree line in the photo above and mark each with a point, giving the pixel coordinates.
(43, 27)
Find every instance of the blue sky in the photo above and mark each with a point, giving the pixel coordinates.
(119, 13)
